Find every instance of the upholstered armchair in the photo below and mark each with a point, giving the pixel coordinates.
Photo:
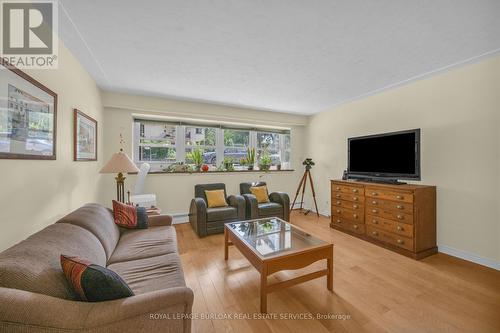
(207, 221)
(278, 205)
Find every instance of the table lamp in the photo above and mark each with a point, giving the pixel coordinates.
(119, 163)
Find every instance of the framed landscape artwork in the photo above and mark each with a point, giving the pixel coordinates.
(85, 137)
(28, 116)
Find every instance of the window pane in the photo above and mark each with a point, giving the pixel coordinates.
(236, 138)
(200, 136)
(156, 154)
(157, 133)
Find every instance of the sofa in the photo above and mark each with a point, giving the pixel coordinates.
(207, 221)
(36, 297)
(278, 205)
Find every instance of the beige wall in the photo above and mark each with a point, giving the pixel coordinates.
(458, 112)
(34, 194)
(174, 191)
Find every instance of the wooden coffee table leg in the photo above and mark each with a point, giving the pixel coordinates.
(263, 289)
(226, 244)
(329, 277)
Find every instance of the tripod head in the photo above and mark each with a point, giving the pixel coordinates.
(308, 162)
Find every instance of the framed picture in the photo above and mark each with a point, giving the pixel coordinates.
(28, 116)
(84, 137)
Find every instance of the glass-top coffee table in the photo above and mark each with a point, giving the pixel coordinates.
(273, 245)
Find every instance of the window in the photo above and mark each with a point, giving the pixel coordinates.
(163, 143)
(235, 145)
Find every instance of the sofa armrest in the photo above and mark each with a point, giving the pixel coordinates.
(160, 220)
(252, 206)
(238, 202)
(283, 199)
(37, 312)
(198, 216)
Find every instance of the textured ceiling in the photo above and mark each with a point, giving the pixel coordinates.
(292, 56)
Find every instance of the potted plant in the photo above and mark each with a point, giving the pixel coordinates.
(228, 164)
(250, 158)
(265, 161)
(197, 157)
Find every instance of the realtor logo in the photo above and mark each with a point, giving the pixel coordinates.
(29, 38)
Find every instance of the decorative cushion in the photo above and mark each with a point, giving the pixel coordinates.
(129, 216)
(260, 193)
(93, 283)
(215, 198)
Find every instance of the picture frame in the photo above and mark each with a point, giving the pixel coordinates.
(84, 137)
(28, 116)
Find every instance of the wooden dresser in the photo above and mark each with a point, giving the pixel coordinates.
(401, 218)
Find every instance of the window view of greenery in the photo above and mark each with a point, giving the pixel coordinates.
(235, 146)
(208, 148)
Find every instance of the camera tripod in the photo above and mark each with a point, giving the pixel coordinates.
(302, 184)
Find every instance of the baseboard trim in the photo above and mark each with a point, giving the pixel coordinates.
(180, 218)
(469, 257)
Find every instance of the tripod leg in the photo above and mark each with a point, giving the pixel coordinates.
(303, 188)
(298, 190)
(314, 194)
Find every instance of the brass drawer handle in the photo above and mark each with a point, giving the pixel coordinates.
(355, 216)
(400, 217)
(400, 241)
(355, 206)
(374, 233)
(355, 226)
(337, 188)
(400, 228)
(355, 198)
(374, 211)
(355, 190)
(374, 193)
(399, 207)
(374, 221)
(339, 221)
(399, 197)
(374, 202)
(338, 202)
(338, 195)
(338, 211)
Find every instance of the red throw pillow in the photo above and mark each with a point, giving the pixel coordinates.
(93, 283)
(129, 216)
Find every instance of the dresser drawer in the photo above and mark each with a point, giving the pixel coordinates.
(348, 204)
(388, 237)
(355, 227)
(375, 192)
(348, 197)
(402, 229)
(390, 205)
(388, 214)
(348, 189)
(349, 214)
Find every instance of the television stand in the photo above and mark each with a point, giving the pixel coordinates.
(378, 180)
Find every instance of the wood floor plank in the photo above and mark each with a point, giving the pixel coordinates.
(378, 290)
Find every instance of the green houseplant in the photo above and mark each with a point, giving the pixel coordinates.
(250, 159)
(265, 161)
(197, 157)
(228, 164)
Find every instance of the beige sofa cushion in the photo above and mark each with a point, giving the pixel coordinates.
(34, 265)
(98, 220)
(144, 243)
(151, 274)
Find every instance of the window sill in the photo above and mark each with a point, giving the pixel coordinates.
(215, 171)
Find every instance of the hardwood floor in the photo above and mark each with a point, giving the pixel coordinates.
(374, 290)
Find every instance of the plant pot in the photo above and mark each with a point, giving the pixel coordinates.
(264, 167)
(250, 167)
(278, 167)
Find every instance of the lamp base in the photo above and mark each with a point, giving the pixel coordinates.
(120, 187)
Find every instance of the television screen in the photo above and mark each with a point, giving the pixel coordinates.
(386, 155)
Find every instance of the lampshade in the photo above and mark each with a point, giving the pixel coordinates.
(119, 162)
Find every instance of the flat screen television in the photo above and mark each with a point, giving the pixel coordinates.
(385, 157)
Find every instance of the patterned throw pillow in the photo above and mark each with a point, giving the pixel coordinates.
(129, 216)
(260, 193)
(93, 283)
